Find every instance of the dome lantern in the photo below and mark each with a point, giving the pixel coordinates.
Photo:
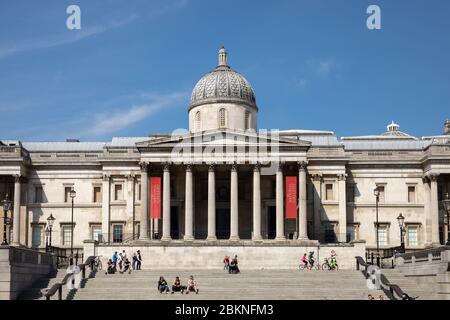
(223, 57)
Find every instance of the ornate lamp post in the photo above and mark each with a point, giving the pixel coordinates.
(376, 193)
(446, 205)
(50, 221)
(47, 234)
(401, 224)
(6, 207)
(72, 195)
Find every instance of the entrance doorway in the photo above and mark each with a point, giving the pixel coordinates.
(174, 223)
(223, 223)
(271, 222)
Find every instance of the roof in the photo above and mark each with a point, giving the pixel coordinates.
(63, 146)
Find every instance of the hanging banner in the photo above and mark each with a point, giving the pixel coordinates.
(155, 197)
(291, 197)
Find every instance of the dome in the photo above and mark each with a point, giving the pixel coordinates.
(222, 85)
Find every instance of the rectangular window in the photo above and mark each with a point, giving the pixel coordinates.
(38, 194)
(118, 192)
(382, 235)
(117, 233)
(330, 235)
(97, 194)
(97, 232)
(411, 194)
(329, 191)
(66, 235)
(36, 237)
(412, 236)
(381, 196)
(67, 197)
(351, 194)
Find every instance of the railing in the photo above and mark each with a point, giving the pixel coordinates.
(393, 288)
(63, 255)
(57, 287)
(423, 254)
(119, 239)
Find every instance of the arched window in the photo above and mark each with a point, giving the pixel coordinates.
(247, 120)
(197, 120)
(222, 118)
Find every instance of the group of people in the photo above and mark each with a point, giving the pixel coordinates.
(231, 265)
(177, 285)
(120, 262)
(309, 261)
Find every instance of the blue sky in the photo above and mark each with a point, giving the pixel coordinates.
(130, 69)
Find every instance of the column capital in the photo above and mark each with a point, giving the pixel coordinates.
(212, 167)
(166, 166)
(302, 165)
(188, 167)
(130, 177)
(144, 166)
(17, 178)
(342, 176)
(433, 176)
(257, 167)
(316, 177)
(106, 177)
(280, 166)
(234, 166)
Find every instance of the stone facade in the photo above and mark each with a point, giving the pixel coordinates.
(221, 190)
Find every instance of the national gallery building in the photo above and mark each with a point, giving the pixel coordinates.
(225, 181)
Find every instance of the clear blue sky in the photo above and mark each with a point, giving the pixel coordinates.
(130, 69)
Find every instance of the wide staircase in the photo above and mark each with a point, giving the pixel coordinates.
(218, 284)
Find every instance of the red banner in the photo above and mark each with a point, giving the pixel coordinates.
(155, 197)
(291, 197)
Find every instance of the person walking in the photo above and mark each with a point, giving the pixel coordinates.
(139, 260)
(134, 261)
(114, 261)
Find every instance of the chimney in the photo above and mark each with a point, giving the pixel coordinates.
(72, 140)
(447, 127)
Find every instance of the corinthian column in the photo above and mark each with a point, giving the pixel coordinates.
(166, 203)
(16, 212)
(302, 205)
(257, 202)
(434, 209)
(279, 205)
(234, 222)
(189, 205)
(211, 204)
(143, 221)
(342, 236)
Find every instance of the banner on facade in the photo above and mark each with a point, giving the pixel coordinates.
(291, 197)
(155, 197)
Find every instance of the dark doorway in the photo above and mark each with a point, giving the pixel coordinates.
(223, 223)
(271, 222)
(174, 223)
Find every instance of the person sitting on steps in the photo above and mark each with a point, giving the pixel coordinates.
(110, 267)
(234, 268)
(127, 266)
(177, 287)
(192, 285)
(162, 285)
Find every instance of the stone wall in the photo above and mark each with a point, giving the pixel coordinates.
(19, 268)
(201, 255)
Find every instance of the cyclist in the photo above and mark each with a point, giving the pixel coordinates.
(311, 259)
(332, 262)
(304, 259)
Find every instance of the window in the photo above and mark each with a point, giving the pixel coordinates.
(352, 233)
(412, 236)
(96, 232)
(247, 120)
(330, 235)
(36, 236)
(411, 194)
(381, 196)
(117, 233)
(38, 194)
(383, 235)
(328, 191)
(350, 193)
(197, 120)
(66, 235)
(118, 194)
(97, 194)
(222, 118)
(67, 197)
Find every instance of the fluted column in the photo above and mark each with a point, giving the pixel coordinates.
(279, 205)
(106, 196)
(342, 236)
(143, 221)
(302, 205)
(16, 212)
(434, 209)
(189, 205)
(234, 220)
(211, 204)
(257, 202)
(166, 203)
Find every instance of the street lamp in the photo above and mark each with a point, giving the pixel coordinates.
(401, 224)
(6, 207)
(72, 195)
(50, 221)
(376, 193)
(446, 205)
(47, 234)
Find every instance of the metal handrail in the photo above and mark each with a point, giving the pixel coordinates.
(57, 287)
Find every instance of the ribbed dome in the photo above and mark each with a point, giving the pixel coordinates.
(222, 85)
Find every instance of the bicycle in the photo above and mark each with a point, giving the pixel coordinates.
(308, 266)
(326, 265)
